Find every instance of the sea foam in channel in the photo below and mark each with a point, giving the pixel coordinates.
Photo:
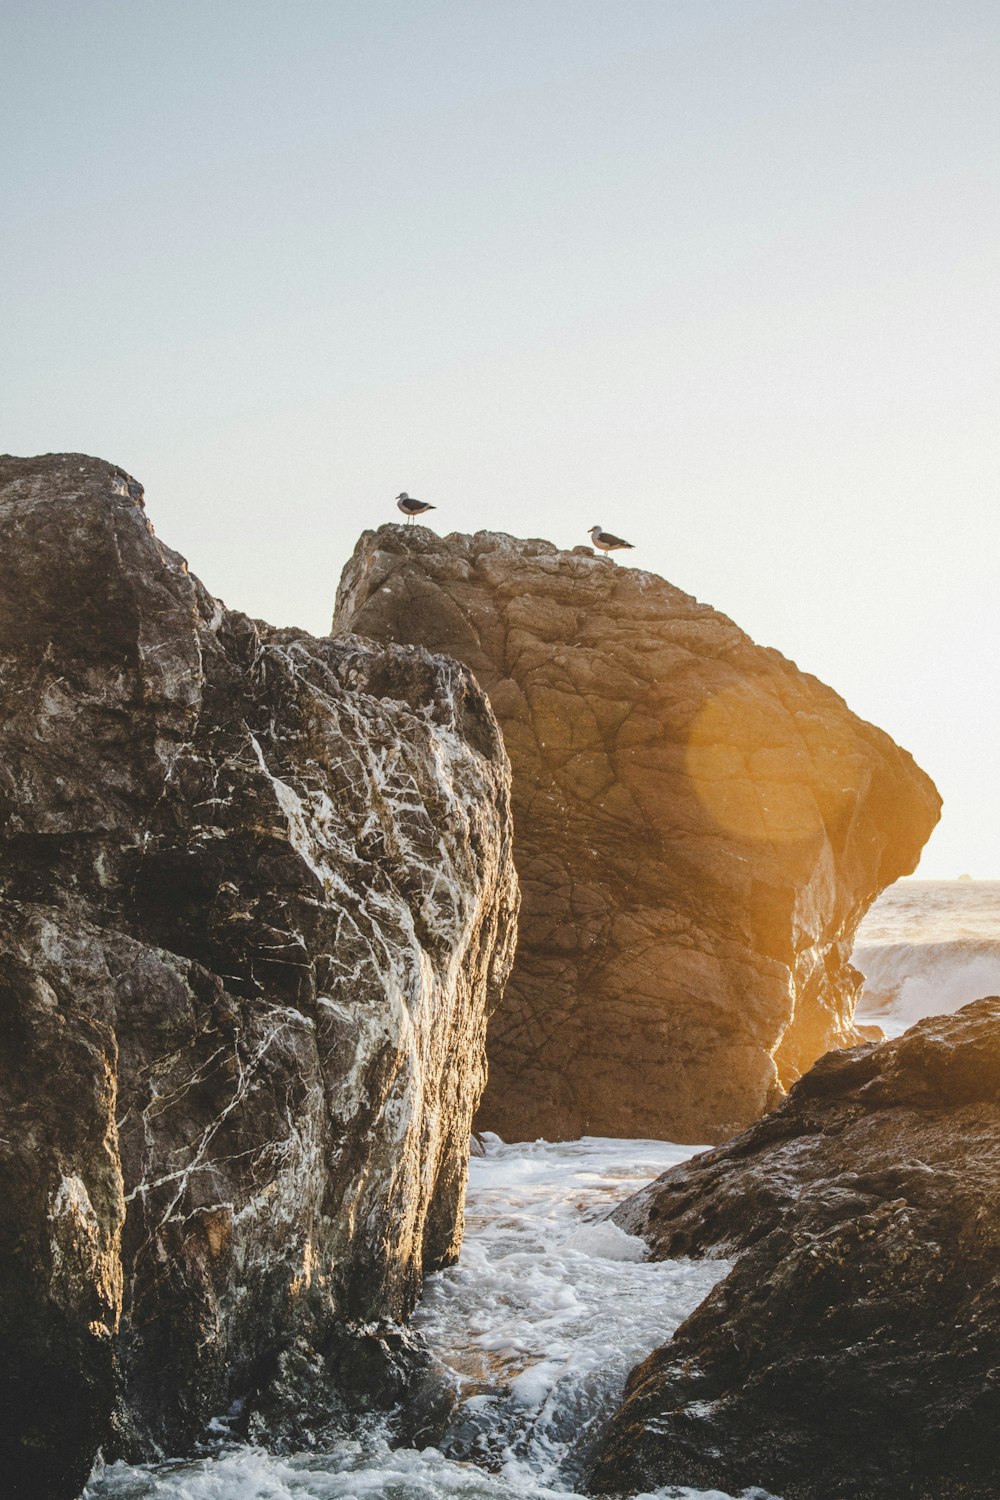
(538, 1324)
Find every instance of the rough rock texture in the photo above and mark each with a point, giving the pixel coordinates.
(699, 828)
(256, 902)
(854, 1350)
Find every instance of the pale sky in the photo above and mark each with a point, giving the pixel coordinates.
(720, 275)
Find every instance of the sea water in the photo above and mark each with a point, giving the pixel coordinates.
(550, 1306)
(926, 948)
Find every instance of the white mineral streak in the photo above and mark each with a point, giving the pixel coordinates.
(305, 834)
(414, 788)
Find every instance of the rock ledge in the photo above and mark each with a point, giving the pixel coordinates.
(854, 1350)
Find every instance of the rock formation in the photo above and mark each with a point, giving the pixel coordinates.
(854, 1349)
(699, 828)
(256, 902)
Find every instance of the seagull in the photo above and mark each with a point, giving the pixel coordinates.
(411, 507)
(605, 541)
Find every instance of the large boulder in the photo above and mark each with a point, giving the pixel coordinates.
(854, 1349)
(256, 903)
(699, 828)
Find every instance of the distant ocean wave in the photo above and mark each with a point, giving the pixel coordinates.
(906, 981)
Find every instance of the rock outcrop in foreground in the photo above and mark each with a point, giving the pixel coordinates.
(699, 829)
(256, 902)
(854, 1350)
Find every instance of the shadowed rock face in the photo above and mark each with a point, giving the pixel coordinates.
(256, 902)
(699, 829)
(854, 1349)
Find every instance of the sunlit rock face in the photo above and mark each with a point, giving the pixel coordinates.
(699, 829)
(853, 1349)
(257, 902)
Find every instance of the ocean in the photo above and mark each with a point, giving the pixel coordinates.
(926, 948)
(549, 1307)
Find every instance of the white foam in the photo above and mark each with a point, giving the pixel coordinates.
(608, 1242)
(550, 1307)
(353, 1472)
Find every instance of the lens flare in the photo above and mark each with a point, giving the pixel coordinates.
(751, 770)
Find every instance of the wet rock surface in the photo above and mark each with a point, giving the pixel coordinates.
(854, 1350)
(699, 829)
(256, 903)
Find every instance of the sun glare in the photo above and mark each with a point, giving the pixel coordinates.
(747, 771)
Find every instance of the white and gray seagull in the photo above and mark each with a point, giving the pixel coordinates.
(606, 541)
(411, 507)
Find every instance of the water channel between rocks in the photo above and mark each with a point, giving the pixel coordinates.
(539, 1323)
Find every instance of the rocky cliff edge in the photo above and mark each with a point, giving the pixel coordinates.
(256, 902)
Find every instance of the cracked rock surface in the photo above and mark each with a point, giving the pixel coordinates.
(699, 828)
(256, 903)
(854, 1349)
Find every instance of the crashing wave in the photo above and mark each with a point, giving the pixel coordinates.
(906, 981)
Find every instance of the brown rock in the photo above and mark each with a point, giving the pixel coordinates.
(256, 902)
(699, 828)
(854, 1349)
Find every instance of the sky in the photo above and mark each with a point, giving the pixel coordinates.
(718, 275)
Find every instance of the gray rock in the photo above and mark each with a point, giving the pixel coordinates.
(699, 829)
(854, 1349)
(256, 903)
